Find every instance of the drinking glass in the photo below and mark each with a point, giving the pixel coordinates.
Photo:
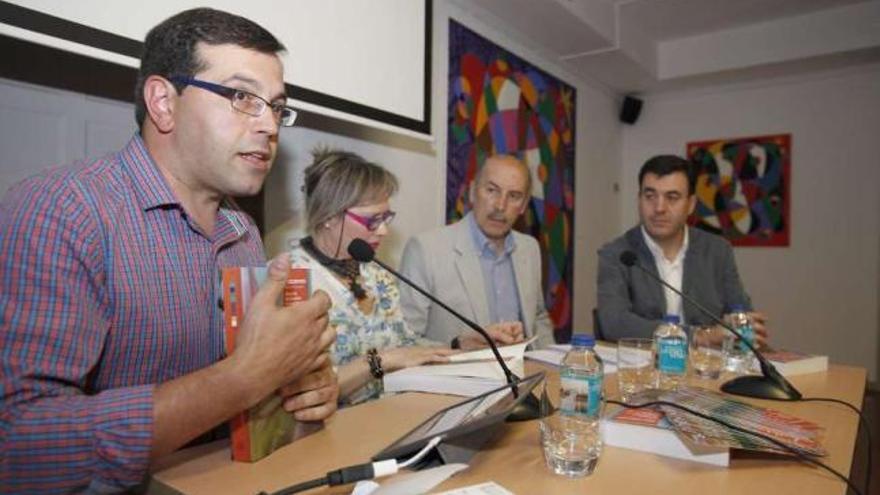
(707, 352)
(571, 444)
(635, 367)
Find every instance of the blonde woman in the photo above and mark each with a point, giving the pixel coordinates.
(348, 197)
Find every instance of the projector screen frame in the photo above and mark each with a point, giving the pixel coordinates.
(95, 70)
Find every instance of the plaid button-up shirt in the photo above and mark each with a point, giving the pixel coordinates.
(106, 289)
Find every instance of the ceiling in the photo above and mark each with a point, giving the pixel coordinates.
(641, 46)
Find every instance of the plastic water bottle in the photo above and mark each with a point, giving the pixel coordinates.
(739, 357)
(671, 354)
(570, 437)
(581, 378)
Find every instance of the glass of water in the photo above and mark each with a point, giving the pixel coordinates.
(738, 357)
(571, 444)
(707, 352)
(635, 367)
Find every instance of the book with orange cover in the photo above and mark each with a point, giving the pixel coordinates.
(262, 429)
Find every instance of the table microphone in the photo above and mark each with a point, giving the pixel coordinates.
(770, 385)
(527, 409)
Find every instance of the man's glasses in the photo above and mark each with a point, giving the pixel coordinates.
(243, 101)
(374, 222)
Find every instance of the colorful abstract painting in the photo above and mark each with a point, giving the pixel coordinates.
(501, 104)
(743, 189)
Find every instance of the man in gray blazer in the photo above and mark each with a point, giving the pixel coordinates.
(700, 264)
(480, 267)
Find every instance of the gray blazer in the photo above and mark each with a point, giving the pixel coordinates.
(445, 262)
(631, 304)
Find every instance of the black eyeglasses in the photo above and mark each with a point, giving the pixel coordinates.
(243, 101)
(374, 222)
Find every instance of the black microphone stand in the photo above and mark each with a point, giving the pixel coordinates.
(529, 408)
(769, 385)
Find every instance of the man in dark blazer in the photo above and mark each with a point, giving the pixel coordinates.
(700, 264)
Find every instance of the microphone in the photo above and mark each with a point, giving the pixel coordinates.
(527, 409)
(770, 385)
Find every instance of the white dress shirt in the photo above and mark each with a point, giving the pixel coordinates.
(670, 271)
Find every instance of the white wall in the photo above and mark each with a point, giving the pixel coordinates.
(40, 127)
(421, 166)
(821, 293)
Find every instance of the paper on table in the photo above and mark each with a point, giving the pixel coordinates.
(406, 484)
(549, 355)
(506, 351)
(450, 385)
(606, 351)
(481, 369)
(554, 353)
(467, 379)
(488, 488)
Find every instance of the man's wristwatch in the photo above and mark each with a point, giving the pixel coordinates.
(455, 344)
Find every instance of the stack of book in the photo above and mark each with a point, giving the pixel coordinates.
(796, 433)
(672, 432)
(791, 363)
(648, 430)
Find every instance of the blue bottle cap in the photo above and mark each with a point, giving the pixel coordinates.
(582, 340)
(737, 308)
(671, 319)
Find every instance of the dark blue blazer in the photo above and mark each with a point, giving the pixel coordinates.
(631, 304)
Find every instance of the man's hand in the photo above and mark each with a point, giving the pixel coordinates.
(314, 396)
(279, 345)
(503, 333)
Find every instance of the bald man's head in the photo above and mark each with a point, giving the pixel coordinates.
(500, 195)
(507, 160)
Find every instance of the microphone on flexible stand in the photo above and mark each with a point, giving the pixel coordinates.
(527, 409)
(770, 385)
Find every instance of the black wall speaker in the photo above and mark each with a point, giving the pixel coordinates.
(630, 110)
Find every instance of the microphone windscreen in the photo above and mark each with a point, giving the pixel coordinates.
(361, 251)
(628, 258)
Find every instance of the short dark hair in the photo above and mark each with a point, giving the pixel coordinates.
(662, 165)
(170, 47)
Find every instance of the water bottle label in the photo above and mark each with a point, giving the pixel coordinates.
(581, 396)
(746, 332)
(595, 385)
(672, 356)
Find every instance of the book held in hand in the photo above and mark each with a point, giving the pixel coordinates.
(262, 429)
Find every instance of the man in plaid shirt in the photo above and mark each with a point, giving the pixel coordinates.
(111, 342)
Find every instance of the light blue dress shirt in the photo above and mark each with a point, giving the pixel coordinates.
(502, 296)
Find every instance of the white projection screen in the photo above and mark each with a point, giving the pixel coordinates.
(366, 60)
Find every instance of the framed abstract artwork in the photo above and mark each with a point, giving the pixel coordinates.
(499, 103)
(743, 189)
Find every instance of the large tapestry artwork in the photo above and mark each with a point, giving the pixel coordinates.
(743, 189)
(500, 104)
